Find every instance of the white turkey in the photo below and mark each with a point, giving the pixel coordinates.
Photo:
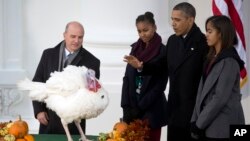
(74, 94)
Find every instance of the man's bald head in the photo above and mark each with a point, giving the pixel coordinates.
(73, 36)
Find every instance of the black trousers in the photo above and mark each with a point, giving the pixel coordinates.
(175, 133)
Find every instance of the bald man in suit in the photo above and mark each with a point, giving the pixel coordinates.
(55, 59)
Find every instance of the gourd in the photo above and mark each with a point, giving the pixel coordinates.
(120, 126)
(110, 140)
(29, 137)
(20, 140)
(19, 128)
(9, 137)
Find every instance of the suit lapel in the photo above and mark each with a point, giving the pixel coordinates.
(187, 51)
(179, 52)
(78, 57)
(55, 61)
(210, 81)
(199, 96)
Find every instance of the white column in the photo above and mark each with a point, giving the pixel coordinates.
(10, 60)
(11, 41)
(1, 34)
(13, 27)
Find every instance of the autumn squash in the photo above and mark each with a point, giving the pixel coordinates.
(29, 137)
(110, 140)
(9, 137)
(19, 128)
(120, 126)
(21, 140)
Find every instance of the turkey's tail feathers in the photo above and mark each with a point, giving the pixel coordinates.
(37, 90)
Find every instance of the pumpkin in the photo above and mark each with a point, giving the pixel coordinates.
(19, 128)
(20, 139)
(110, 140)
(120, 126)
(29, 137)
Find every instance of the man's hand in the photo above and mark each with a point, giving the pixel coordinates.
(133, 61)
(43, 118)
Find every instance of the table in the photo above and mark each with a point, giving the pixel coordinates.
(56, 137)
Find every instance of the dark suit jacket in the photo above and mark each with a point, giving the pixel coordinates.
(152, 102)
(183, 63)
(49, 63)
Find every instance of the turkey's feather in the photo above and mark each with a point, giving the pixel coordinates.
(68, 95)
(37, 89)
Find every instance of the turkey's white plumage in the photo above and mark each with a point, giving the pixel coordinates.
(68, 95)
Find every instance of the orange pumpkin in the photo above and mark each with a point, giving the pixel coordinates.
(1, 138)
(120, 126)
(29, 137)
(21, 140)
(19, 128)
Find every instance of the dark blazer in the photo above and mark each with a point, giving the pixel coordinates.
(49, 63)
(152, 103)
(182, 62)
(218, 103)
(185, 59)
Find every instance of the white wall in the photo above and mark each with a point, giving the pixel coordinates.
(110, 29)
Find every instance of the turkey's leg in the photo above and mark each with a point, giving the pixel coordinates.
(65, 126)
(83, 137)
